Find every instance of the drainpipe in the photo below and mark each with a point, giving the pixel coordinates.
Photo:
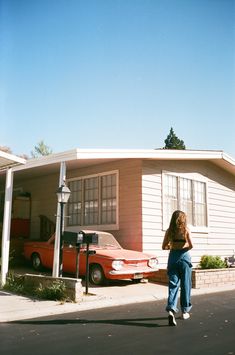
(6, 226)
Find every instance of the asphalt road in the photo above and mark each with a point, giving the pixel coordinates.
(138, 329)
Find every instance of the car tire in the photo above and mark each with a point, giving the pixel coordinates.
(96, 275)
(136, 281)
(36, 261)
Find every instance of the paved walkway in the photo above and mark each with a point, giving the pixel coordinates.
(13, 307)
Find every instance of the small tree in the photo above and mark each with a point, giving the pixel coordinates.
(173, 142)
(41, 149)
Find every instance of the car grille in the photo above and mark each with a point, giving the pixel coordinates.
(136, 263)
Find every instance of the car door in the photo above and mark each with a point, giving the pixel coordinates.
(69, 258)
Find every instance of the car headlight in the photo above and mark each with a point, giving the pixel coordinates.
(117, 264)
(152, 262)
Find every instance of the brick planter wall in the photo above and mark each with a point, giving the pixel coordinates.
(161, 277)
(213, 277)
(203, 278)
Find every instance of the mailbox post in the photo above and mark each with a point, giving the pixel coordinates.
(75, 239)
(88, 238)
(78, 247)
(81, 238)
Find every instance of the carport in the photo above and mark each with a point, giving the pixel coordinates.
(7, 162)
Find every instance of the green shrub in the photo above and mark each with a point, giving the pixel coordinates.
(212, 262)
(14, 283)
(55, 291)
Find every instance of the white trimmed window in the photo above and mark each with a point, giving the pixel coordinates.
(187, 195)
(93, 200)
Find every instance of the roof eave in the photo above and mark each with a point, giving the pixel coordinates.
(118, 154)
(8, 160)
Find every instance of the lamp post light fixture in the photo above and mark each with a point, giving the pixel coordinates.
(63, 194)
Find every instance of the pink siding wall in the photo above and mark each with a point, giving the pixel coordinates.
(130, 222)
(129, 233)
(44, 200)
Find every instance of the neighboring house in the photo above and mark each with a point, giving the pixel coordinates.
(132, 194)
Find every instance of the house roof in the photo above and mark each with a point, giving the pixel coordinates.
(79, 158)
(9, 160)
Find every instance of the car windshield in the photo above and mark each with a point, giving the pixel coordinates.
(106, 240)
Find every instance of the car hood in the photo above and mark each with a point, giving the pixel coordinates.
(126, 254)
(123, 254)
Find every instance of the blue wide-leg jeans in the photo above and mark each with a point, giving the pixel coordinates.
(179, 271)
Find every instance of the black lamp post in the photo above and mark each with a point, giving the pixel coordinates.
(63, 194)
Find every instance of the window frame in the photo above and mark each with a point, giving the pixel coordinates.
(99, 225)
(193, 177)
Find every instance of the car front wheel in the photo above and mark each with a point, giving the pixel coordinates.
(36, 261)
(96, 275)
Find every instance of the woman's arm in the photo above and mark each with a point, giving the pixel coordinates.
(165, 243)
(188, 241)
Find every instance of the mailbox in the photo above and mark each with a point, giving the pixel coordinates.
(80, 238)
(90, 238)
(73, 238)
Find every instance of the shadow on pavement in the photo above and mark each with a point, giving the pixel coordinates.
(137, 322)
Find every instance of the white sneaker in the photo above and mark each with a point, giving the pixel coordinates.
(185, 315)
(171, 319)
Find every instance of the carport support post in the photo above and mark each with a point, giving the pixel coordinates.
(56, 260)
(6, 226)
(61, 239)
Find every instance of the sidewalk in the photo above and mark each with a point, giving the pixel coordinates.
(13, 307)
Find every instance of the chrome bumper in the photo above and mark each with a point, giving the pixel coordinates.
(133, 271)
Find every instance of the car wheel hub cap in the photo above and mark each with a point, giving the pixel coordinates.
(96, 275)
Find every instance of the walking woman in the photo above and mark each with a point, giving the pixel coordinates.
(179, 268)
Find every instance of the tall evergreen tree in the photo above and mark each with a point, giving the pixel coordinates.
(41, 149)
(173, 142)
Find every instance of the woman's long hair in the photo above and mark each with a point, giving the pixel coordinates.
(178, 225)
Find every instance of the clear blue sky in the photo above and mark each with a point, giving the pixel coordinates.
(117, 73)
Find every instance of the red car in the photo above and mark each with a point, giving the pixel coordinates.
(109, 261)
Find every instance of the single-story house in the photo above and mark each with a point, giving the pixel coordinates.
(132, 194)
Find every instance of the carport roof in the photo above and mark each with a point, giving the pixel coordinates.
(9, 160)
(79, 158)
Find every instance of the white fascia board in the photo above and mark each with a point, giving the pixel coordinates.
(49, 159)
(158, 154)
(228, 159)
(147, 154)
(9, 160)
(114, 153)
